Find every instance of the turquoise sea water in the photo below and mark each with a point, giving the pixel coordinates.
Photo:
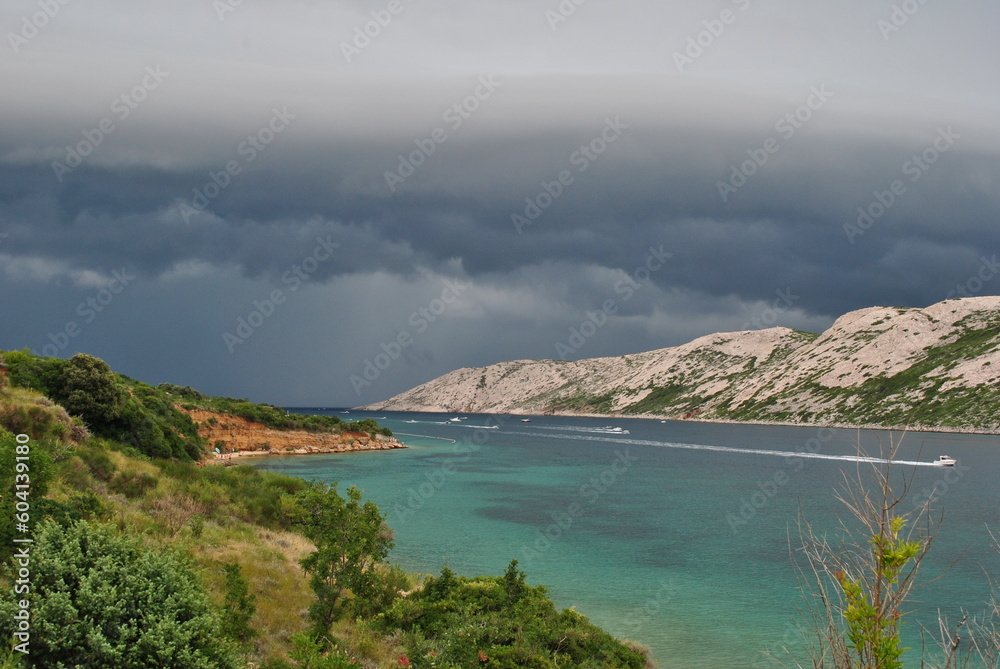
(675, 534)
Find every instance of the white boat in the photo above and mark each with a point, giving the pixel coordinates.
(525, 420)
(455, 420)
(615, 430)
(946, 461)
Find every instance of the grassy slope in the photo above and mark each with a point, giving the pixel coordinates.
(149, 416)
(212, 514)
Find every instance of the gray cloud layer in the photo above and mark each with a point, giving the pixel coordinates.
(268, 93)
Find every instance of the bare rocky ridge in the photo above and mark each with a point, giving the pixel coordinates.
(937, 367)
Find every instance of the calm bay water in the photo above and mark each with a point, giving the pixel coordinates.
(675, 534)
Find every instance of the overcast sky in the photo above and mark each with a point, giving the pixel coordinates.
(259, 199)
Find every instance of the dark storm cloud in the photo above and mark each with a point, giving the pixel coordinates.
(199, 85)
(656, 184)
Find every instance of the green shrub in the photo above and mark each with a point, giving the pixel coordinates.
(181, 471)
(98, 462)
(40, 419)
(499, 622)
(133, 485)
(35, 372)
(100, 600)
(87, 505)
(310, 653)
(385, 589)
(197, 525)
(36, 475)
(88, 388)
(239, 606)
(75, 473)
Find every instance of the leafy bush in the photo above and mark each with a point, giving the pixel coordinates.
(37, 475)
(112, 405)
(98, 462)
(499, 622)
(311, 653)
(259, 496)
(239, 606)
(88, 388)
(38, 418)
(132, 485)
(253, 495)
(35, 372)
(100, 600)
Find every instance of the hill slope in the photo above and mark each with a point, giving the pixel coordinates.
(933, 367)
(139, 560)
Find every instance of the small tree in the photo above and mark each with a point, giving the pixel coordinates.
(88, 389)
(860, 583)
(514, 583)
(239, 607)
(351, 538)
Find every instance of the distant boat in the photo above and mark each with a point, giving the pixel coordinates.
(946, 461)
(455, 420)
(525, 420)
(616, 430)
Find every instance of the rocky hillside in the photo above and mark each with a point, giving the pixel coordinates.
(235, 434)
(933, 367)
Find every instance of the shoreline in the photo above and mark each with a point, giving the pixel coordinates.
(236, 436)
(838, 426)
(722, 421)
(224, 458)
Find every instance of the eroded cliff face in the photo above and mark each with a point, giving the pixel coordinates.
(234, 434)
(931, 368)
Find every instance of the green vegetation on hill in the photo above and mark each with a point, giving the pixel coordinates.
(499, 622)
(110, 405)
(144, 558)
(144, 417)
(738, 387)
(102, 599)
(268, 414)
(912, 396)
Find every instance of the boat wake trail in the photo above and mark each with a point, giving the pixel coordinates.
(426, 436)
(730, 449)
(571, 428)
